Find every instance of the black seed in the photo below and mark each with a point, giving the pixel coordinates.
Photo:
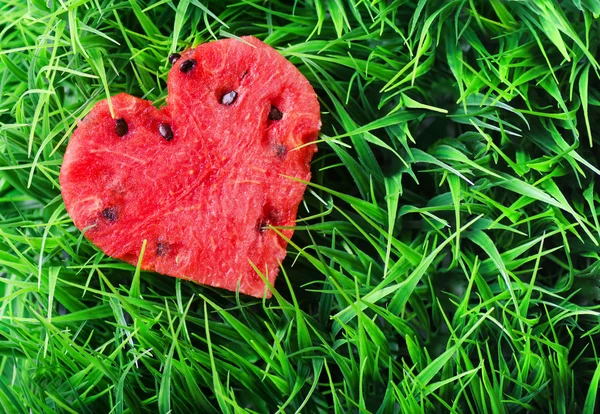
(187, 65)
(229, 98)
(161, 248)
(244, 74)
(280, 150)
(275, 114)
(121, 127)
(165, 131)
(174, 57)
(110, 214)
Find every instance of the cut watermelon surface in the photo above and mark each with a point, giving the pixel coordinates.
(203, 179)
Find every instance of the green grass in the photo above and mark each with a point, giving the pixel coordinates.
(446, 255)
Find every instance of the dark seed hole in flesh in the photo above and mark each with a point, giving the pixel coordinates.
(162, 248)
(110, 214)
(229, 98)
(121, 127)
(262, 226)
(174, 57)
(275, 114)
(244, 74)
(269, 217)
(280, 150)
(187, 65)
(165, 131)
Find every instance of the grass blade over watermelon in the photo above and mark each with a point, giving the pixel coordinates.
(203, 178)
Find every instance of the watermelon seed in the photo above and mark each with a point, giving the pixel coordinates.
(244, 74)
(229, 98)
(275, 114)
(110, 214)
(174, 57)
(165, 131)
(121, 127)
(187, 65)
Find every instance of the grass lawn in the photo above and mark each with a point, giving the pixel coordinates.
(446, 252)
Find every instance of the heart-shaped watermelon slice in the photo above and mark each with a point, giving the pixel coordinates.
(204, 179)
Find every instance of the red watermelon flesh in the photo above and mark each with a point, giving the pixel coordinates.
(203, 179)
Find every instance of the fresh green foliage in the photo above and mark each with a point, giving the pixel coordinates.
(446, 254)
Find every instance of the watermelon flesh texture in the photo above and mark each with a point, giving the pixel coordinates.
(202, 179)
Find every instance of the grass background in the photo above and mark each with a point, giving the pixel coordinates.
(446, 257)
